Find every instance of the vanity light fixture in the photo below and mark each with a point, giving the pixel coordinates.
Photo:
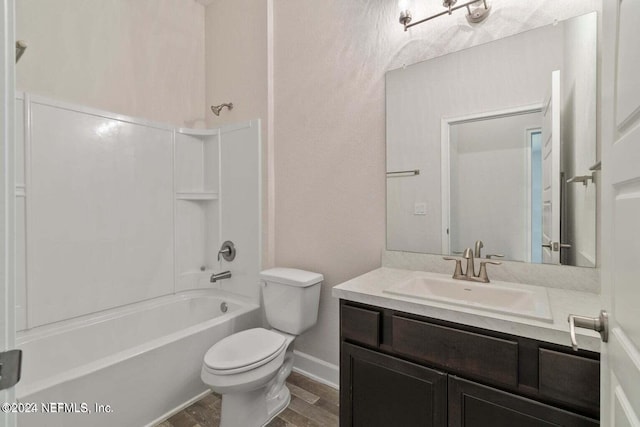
(474, 15)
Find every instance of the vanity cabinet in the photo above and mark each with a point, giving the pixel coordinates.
(475, 405)
(401, 369)
(387, 391)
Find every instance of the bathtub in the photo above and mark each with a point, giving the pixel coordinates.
(130, 366)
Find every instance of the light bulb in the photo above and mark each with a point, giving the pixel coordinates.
(405, 13)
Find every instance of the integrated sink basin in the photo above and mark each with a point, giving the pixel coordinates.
(502, 297)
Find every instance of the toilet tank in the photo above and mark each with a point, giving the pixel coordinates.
(291, 298)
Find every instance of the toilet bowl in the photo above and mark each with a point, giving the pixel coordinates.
(249, 368)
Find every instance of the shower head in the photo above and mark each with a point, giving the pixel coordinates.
(21, 46)
(217, 108)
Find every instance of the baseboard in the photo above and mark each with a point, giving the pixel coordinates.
(177, 409)
(316, 369)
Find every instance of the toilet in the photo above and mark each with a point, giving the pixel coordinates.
(249, 368)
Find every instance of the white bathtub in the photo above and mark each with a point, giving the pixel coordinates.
(143, 360)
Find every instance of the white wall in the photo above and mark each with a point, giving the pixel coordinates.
(240, 206)
(507, 73)
(143, 58)
(236, 71)
(330, 61)
(579, 140)
(115, 215)
(490, 200)
(99, 213)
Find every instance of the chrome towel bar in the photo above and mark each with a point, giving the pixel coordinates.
(406, 173)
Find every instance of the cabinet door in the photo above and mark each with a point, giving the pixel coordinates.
(381, 390)
(475, 405)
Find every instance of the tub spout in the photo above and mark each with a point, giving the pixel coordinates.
(219, 276)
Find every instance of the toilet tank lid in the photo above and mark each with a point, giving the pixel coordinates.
(291, 276)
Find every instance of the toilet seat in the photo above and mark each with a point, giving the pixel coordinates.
(244, 351)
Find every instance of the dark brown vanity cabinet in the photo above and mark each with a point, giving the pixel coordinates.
(387, 391)
(399, 369)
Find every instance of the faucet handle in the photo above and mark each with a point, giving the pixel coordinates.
(483, 270)
(489, 256)
(458, 271)
(228, 251)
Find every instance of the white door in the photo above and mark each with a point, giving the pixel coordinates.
(551, 173)
(620, 392)
(7, 189)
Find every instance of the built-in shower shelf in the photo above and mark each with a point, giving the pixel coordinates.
(195, 196)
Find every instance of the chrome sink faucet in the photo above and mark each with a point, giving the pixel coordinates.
(470, 273)
(479, 246)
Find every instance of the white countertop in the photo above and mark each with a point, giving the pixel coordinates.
(368, 289)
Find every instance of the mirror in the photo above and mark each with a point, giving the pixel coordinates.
(494, 148)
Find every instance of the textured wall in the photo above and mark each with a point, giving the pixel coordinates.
(236, 71)
(330, 60)
(143, 58)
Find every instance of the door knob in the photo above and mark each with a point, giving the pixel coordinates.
(556, 246)
(598, 324)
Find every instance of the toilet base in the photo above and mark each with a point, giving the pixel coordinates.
(278, 404)
(252, 408)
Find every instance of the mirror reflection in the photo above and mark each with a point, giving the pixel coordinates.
(498, 155)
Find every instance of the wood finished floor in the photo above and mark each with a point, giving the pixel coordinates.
(312, 405)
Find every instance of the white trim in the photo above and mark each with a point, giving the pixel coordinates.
(529, 131)
(495, 114)
(445, 183)
(445, 150)
(198, 132)
(527, 161)
(258, 124)
(7, 192)
(39, 99)
(316, 369)
(178, 408)
(270, 144)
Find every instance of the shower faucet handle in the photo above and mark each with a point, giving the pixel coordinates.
(228, 251)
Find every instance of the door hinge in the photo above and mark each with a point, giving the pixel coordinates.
(10, 364)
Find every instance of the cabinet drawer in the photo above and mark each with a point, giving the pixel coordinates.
(570, 379)
(360, 325)
(489, 358)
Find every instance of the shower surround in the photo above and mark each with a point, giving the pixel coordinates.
(119, 221)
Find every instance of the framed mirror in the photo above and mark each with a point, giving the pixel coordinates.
(494, 148)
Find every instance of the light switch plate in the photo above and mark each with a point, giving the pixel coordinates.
(420, 208)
